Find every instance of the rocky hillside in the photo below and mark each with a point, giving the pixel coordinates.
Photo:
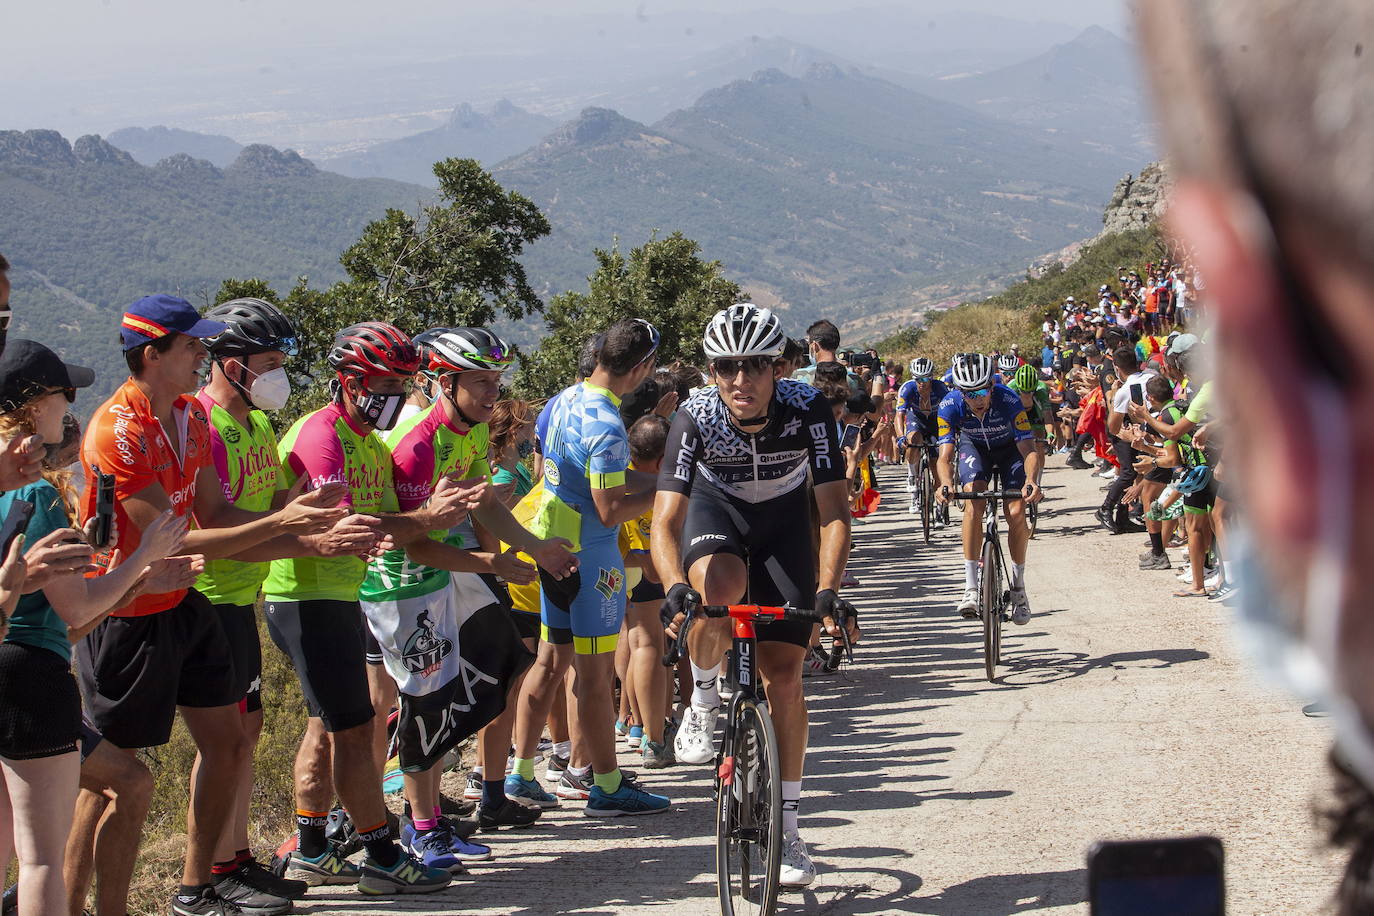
(1138, 200)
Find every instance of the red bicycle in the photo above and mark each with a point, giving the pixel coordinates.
(748, 783)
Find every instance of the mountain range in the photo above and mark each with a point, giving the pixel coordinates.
(150, 145)
(835, 189)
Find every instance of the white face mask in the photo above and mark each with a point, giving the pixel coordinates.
(1309, 663)
(270, 390)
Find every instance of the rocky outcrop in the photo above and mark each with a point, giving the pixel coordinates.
(184, 164)
(1138, 200)
(262, 161)
(91, 149)
(35, 147)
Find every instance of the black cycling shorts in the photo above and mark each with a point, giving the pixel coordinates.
(136, 671)
(240, 624)
(324, 640)
(773, 543)
(526, 624)
(647, 591)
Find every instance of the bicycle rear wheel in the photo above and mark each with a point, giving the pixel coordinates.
(749, 815)
(990, 604)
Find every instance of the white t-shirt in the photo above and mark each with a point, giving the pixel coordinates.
(1123, 395)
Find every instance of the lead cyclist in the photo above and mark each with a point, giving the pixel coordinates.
(740, 460)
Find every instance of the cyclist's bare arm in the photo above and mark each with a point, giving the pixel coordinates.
(665, 538)
(945, 467)
(617, 505)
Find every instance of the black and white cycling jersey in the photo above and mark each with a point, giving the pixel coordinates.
(800, 435)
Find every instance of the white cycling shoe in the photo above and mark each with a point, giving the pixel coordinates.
(695, 741)
(1020, 607)
(797, 868)
(968, 607)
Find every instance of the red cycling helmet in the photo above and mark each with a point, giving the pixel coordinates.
(373, 348)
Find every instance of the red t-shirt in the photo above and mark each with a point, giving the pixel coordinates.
(125, 439)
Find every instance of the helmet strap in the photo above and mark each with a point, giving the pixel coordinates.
(452, 395)
(241, 383)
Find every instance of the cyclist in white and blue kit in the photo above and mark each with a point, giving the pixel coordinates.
(984, 422)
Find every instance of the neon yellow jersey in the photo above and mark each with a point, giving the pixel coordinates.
(424, 449)
(246, 461)
(326, 447)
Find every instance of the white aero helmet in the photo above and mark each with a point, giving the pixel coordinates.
(972, 371)
(922, 367)
(1007, 363)
(744, 330)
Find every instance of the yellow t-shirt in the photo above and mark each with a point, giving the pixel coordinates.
(634, 538)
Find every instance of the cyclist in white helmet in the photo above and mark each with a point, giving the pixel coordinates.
(741, 460)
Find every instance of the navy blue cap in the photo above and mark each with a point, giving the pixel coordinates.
(154, 317)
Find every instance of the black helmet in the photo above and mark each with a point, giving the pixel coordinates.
(251, 326)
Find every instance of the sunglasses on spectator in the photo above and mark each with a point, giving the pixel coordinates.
(729, 366)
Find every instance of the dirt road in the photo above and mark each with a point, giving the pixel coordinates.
(1122, 712)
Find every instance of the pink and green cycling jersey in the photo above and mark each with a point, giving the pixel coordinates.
(424, 448)
(246, 462)
(327, 447)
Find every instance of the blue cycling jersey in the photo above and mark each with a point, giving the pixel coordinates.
(586, 449)
(1004, 421)
(909, 397)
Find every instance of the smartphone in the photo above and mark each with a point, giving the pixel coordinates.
(1181, 876)
(850, 437)
(1138, 393)
(21, 510)
(104, 508)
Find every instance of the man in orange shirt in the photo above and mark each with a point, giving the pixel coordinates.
(165, 652)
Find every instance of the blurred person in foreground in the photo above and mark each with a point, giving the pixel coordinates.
(1275, 196)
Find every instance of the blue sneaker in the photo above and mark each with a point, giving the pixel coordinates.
(628, 799)
(431, 848)
(529, 790)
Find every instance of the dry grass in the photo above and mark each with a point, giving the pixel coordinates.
(976, 328)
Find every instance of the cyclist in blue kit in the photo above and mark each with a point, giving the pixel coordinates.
(984, 423)
(918, 402)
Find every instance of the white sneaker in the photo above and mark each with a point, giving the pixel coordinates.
(1020, 607)
(797, 868)
(915, 507)
(968, 607)
(1109, 474)
(695, 741)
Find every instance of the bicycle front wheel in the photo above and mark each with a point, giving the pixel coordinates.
(990, 603)
(1032, 517)
(927, 497)
(749, 815)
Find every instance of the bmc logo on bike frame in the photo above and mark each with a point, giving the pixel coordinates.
(744, 668)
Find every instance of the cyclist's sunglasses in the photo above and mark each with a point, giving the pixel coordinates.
(654, 339)
(730, 366)
(5, 315)
(977, 392)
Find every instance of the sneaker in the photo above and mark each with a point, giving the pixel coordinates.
(574, 787)
(1109, 474)
(1020, 607)
(472, 787)
(461, 827)
(555, 767)
(249, 899)
(254, 873)
(695, 740)
(407, 876)
(628, 799)
(797, 868)
(1077, 463)
(848, 580)
(657, 756)
(1105, 519)
(509, 813)
(915, 507)
(530, 791)
(968, 606)
(814, 662)
(1223, 592)
(622, 728)
(544, 747)
(635, 738)
(1157, 561)
(209, 903)
(432, 848)
(326, 868)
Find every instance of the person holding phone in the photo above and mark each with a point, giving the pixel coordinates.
(40, 706)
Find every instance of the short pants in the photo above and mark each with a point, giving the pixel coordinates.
(240, 624)
(775, 547)
(136, 671)
(40, 707)
(324, 640)
(586, 608)
(978, 462)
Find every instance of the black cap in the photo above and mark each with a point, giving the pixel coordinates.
(28, 369)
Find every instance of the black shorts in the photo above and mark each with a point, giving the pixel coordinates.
(647, 591)
(372, 650)
(774, 544)
(526, 624)
(324, 640)
(40, 707)
(136, 671)
(90, 736)
(1160, 475)
(240, 624)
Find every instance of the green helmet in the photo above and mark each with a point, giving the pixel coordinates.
(1026, 378)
